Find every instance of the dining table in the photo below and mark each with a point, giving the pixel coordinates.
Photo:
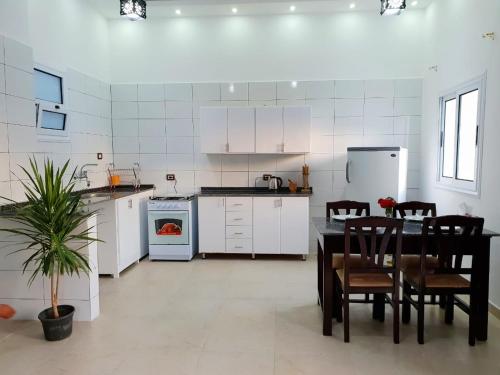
(331, 238)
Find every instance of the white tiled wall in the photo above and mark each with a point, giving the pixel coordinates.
(157, 126)
(89, 121)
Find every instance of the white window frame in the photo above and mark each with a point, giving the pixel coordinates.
(52, 135)
(453, 183)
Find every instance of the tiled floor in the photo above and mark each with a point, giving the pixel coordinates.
(238, 317)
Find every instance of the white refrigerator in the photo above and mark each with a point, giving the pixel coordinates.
(376, 172)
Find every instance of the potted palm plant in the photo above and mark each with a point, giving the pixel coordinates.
(51, 222)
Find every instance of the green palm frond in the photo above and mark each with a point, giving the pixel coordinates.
(49, 221)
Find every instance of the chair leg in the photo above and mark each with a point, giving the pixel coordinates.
(442, 301)
(406, 303)
(335, 297)
(346, 317)
(450, 304)
(433, 299)
(337, 306)
(395, 304)
(379, 307)
(420, 321)
(472, 318)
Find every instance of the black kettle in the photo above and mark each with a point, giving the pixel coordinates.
(275, 183)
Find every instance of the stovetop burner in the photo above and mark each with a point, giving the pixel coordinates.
(173, 198)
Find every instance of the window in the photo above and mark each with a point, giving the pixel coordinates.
(51, 117)
(460, 137)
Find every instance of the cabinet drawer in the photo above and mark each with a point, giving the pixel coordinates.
(239, 245)
(238, 204)
(239, 218)
(236, 231)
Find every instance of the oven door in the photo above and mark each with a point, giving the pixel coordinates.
(168, 227)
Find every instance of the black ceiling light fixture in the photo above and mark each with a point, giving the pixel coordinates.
(133, 9)
(392, 7)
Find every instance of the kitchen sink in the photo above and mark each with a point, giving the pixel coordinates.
(92, 198)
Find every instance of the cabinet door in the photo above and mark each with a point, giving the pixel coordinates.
(212, 224)
(129, 246)
(296, 129)
(269, 130)
(213, 130)
(295, 225)
(241, 129)
(266, 225)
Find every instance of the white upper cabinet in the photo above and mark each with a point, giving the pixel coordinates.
(269, 130)
(241, 130)
(213, 130)
(263, 130)
(296, 129)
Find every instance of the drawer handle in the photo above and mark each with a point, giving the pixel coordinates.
(238, 247)
(238, 219)
(237, 204)
(240, 233)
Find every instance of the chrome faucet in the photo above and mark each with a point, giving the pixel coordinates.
(83, 173)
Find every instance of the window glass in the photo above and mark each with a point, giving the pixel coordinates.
(53, 120)
(466, 160)
(449, 138)
(48, 87)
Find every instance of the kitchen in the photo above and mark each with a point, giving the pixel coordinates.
(216, 106)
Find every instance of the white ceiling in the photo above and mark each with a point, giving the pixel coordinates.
(197, 8)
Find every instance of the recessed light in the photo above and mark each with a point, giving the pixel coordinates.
(231, 88)
(294, 84)
(292, 8)
(352, 6)
(234, 10)
(414, 3)
(178, 12)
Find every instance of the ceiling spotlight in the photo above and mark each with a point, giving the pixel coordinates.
(292, 8)
(294, 84)
(392, 7)
(414, 3)
(231, 88)
(178, 12)
(234, 10)
(133, 9)
(352, 6)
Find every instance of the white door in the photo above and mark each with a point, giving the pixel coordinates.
(372, 173)
(128, 232)
(295, 225)
(266, 225)
(213, 130)
(212, 224)
(241, 130)
(296, 129)
(269, 130)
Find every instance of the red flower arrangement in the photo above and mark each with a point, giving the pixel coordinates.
(387, 203)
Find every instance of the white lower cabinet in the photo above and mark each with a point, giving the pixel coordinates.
(212, 224)
(266, 225)
(270, 225)
(121, 227)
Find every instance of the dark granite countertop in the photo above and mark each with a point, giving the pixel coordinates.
(249, 192)
(90, 196)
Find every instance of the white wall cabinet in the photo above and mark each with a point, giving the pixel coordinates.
(254, 225)
(241, 130)
(263, 130)
(212, 224)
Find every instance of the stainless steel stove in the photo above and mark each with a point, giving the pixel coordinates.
(173, 228)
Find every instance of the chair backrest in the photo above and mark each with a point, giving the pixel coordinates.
(359, 208)
(453, 237)
(415, 207)
(378, 231)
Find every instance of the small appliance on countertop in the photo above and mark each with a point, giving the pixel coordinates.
(173, 227)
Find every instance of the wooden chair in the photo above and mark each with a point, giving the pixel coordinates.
(413, 261)
(371, 275)
(455, 236)
(344, 208)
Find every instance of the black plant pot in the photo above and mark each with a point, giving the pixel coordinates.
(60, 328)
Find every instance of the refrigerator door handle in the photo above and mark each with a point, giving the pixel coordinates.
(347, 171)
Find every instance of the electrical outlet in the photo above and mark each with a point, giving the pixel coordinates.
(170, 177)
(266, 177)
(99, 156)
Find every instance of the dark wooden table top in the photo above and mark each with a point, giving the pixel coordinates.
(330, 227)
